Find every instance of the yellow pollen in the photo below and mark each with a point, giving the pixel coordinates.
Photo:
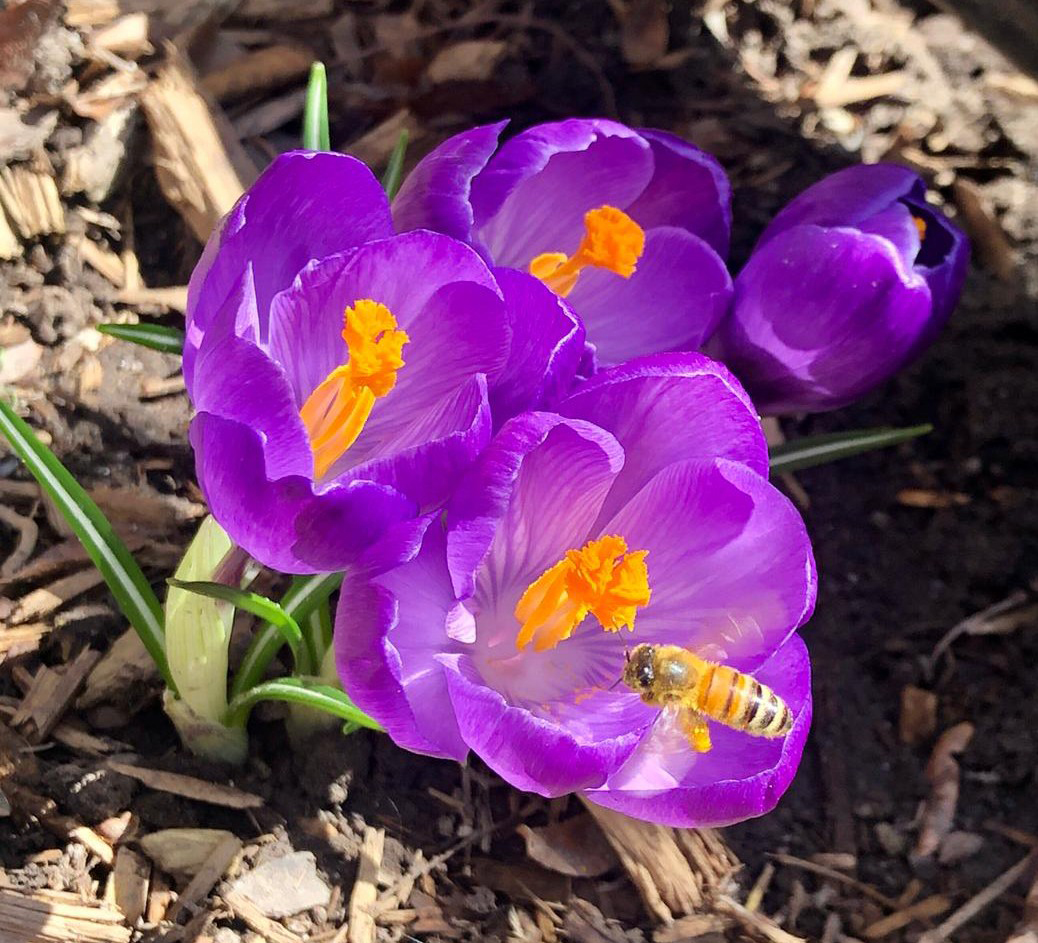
(920, 224)
(601, 578)
(335, 413)
(612, 241)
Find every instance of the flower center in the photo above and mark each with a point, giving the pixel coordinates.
(920, 225)
(612, 240)
(601, 578)
(334, 414)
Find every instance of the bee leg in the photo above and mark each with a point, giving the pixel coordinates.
(697, 731)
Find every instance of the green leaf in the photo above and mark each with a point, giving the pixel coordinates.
(305, 594)
(166, 340)
(128, 584)
(821, 449)
(315, 112)
(258, 605)
(317, 634)
(395, 166)
(314, 694)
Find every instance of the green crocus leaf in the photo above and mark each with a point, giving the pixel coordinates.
(821, 449)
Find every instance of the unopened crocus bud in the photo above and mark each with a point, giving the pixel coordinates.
(198, 633)
(850, 282)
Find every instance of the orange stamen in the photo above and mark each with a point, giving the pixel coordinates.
(601, 578)
(612, 241)
(920, 224)
(335, 413)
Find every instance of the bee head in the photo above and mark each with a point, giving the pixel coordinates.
(640, 667)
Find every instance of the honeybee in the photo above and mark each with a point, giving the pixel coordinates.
(673, 678)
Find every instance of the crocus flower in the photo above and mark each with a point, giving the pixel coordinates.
(343, 376)
(640, 511)
(852, 280)
(629, 226)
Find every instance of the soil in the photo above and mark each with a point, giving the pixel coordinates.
(910, 542)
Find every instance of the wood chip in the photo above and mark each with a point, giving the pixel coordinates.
(258, 71)
(51, 694)
(921, 910)
(127, 36)
(174, 297)
(575, 847)
(472, 60)
(215, 866)
(644, 32)
(250, 915)
(939, 808)
(123, 670)
(979, 901)
(659, 865)
(279, 10)
(375, 147)
(101, 259)
(130, 880)
(48, 599)
(989, 239)
(41, 918)
(31, 202)
(190, 787)
(97, 165)
(365, 889)
(758, 923)
(201, 169)
(24, 526)
(918, 718)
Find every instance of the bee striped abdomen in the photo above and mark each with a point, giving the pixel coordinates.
(741, 702)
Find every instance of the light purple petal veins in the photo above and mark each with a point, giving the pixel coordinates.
(729, 576)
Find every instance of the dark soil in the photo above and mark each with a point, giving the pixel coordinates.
(909, 542)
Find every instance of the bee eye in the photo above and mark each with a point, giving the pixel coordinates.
(645, 676)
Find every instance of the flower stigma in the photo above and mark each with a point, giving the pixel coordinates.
(612, 241)
(335, 413)
(602, 578)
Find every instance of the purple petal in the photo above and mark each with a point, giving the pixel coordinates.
(528, 751)
(820, 317)
(730, 564)
(424, 459)
(943, 261)
(533, 195)
(689, 189)
(741, 777)
(896, 224)
(532, 495)
(547, 347)
(674, 300)
(388, 633)
(435, 194)
(847, 198)
(669, 408)
(305, 206)
(275, 519)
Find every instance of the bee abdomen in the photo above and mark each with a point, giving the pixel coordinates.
(741, 702)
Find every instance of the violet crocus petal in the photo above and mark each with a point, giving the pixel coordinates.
(539, 468)
(304, 206)
(238, 381)
(847, 198)
(675, 299)
(528, 751)
(730, 564)
(820, 317)
(943, 261)
(273, 518)
(547, 347)
(435, 195)
(669, 408)
(896, 224)
(689, 189)
(388, 633)
(424, 459)
(535, 191)
(664, 781)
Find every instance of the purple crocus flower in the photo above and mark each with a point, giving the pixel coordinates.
(629, 226)
(639, 512)
(851, 281)
(343, 376)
